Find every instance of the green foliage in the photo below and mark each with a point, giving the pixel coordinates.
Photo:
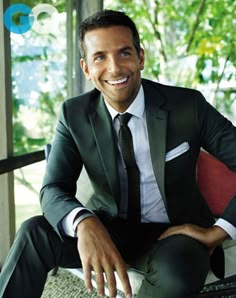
(39, 83)
(58, 4)
(189, 43)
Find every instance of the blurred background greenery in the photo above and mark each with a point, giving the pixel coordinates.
(187, 43)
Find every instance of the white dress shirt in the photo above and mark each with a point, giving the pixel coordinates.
(152, 204)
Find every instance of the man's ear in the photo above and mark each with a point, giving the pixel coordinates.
(141, 58)
(84, 67)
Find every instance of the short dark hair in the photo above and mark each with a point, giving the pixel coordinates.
(104, 19)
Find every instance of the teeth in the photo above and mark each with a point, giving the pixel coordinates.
(118, 81)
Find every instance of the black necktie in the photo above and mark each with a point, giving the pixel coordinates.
(127, 150)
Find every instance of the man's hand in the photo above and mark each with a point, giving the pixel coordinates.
(210, 237)
(99, 254)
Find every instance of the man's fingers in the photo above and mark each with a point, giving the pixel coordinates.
(111, 282)
(87, 278)
(99, 254)
(99, 277)
(124, 278)
(173, 231)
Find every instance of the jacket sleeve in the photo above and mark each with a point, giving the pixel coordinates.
(57, 196)
(218, 137)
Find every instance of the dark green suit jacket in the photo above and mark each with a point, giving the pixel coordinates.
(84, 136)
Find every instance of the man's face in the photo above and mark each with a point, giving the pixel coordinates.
(113, 65)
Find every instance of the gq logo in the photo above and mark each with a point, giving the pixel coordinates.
(28, 18)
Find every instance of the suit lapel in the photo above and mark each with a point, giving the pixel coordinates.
(101, 123)
(156, 118)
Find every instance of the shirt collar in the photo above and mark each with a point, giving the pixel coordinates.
(136, 108)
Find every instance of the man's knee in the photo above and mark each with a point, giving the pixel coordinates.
(180, 252)
(33, 222)
(177, 267)
(36, 223)
(36, 231)
(37, 238)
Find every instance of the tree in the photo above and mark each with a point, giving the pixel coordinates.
(189, 43)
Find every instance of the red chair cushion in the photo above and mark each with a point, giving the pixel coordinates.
(216, 182)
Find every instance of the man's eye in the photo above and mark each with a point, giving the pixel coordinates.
(125, 54)
(99, 58)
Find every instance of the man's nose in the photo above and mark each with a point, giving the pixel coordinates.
(114, 66)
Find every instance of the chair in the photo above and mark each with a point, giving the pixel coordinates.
(218, 185)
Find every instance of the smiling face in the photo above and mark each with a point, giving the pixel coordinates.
(113, 64)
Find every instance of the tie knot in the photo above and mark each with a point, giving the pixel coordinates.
(124, 118)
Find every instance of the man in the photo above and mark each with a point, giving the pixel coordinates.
(162, 227)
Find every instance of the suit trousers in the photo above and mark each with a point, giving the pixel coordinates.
(174, 267)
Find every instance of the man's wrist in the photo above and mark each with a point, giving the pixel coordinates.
(227, 226)
(218, 235)
(82, 215)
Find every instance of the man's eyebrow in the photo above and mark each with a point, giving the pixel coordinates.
(125, 48)
(99, 53)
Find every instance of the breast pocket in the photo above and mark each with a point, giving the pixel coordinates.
(180, 167)
(177, 151)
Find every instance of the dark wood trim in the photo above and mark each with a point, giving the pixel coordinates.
(12, 163)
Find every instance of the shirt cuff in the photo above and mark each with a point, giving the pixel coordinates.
(227, 226)
(72, 219)
(81, 216)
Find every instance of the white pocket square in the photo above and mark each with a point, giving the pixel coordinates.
(182, 148)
